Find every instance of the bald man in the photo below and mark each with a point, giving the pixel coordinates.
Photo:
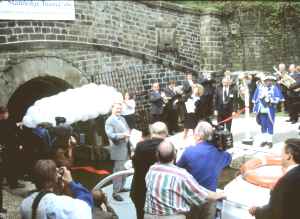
(171, 191)
(145, 156)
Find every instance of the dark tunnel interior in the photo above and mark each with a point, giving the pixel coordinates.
(31, 91)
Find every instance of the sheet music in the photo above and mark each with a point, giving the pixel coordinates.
(135, 137)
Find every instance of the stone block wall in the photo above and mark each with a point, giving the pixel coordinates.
(261, 36)
(116, 42)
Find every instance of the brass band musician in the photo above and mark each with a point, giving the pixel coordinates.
(171, 106)
(293, 95)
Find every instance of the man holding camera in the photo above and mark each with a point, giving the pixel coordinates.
(205, 162)
(46, 204)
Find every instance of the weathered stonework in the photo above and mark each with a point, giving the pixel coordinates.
(116, 42)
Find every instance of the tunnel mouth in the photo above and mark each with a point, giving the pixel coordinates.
(31, 91)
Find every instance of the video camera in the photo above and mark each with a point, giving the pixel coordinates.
(221, 138)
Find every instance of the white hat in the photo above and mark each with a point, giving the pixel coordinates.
(269, 77)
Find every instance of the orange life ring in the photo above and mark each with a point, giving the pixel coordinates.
(249, 173)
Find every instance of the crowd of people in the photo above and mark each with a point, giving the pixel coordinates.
(195, 100)
(164, 185)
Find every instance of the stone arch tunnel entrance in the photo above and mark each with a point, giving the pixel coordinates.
(31, 91)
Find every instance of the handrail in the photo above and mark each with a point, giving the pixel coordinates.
(112, 176)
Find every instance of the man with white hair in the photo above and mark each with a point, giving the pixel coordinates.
(117, 132)
(144, 157)
(225, 102)
(205, 162)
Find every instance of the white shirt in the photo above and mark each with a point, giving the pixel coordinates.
(225, 93)
(291, 167)
(128, 107)
(190, 104)
(56, 206)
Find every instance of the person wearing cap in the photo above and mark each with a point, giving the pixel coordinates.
(265, 99)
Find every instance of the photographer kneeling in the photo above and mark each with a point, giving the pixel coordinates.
(205, 162)
(44, 203)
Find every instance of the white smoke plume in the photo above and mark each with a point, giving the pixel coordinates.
(79, 104)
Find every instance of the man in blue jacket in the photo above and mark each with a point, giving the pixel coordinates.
(205, 161)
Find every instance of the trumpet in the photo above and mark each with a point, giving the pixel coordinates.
(165, 98)
(286, 80)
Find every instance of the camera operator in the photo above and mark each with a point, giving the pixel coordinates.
(205, 162)
(44, 203)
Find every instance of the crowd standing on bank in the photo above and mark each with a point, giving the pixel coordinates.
(161, 187)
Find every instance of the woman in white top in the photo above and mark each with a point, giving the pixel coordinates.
(192, 104)
(128, 110)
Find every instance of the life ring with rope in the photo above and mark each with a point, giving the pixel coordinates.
(249, 171)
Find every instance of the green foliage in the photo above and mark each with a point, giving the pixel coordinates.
(202, 6)
(274, 7)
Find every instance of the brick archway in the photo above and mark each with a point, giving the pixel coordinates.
(34, 79)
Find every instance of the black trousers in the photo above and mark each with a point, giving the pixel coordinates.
(10, 169)
(294, 109)
(139, 210)
(156, 118)
(224, 115)
(1, 181)
(171, 119)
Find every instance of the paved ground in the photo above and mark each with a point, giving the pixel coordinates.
(12, 200)
(283, 130)
(241, 152)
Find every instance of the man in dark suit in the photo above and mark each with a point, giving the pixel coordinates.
(187, 91)
(207, 108)
(144, 157)
(284, 198)
(157, 104)
(187, 85)
(225, 102)
(171, 108)
(9, 138)
(293, 95)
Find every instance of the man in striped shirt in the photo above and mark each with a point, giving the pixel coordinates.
(171, 191)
